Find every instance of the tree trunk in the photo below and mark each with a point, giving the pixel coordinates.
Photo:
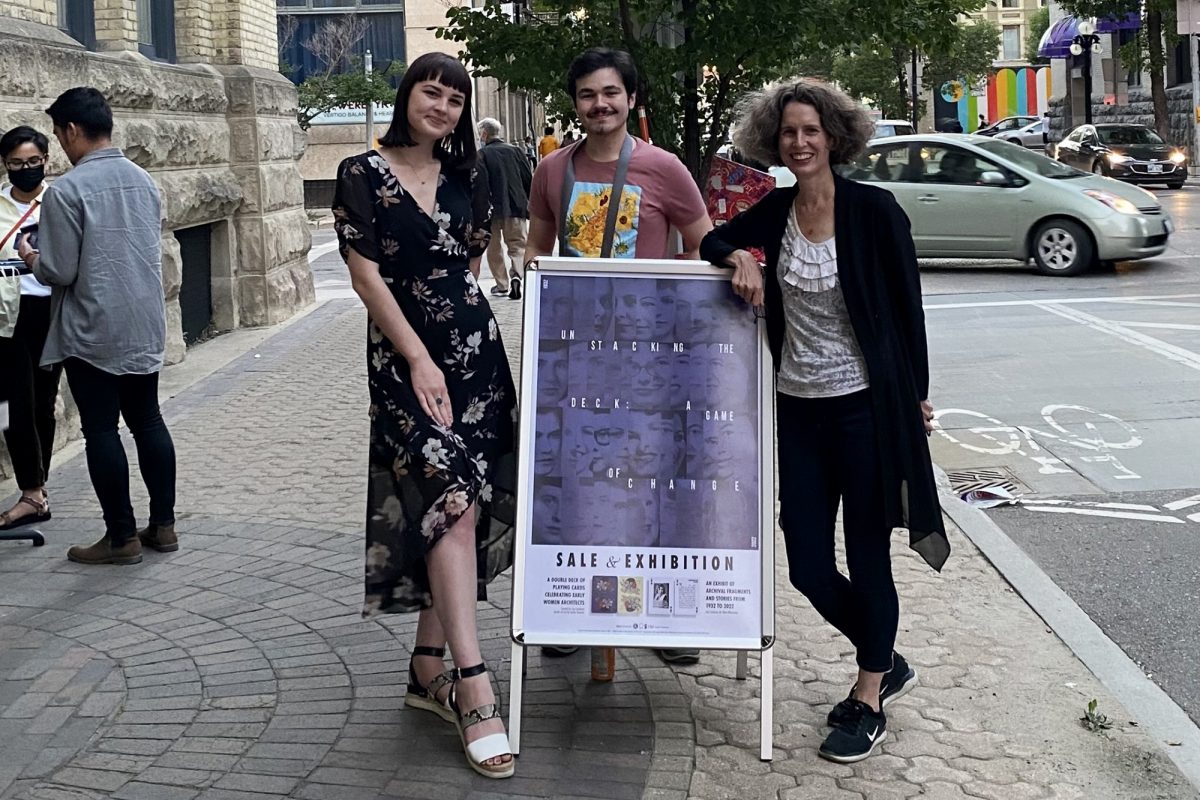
(899, 59)
(1158, 89)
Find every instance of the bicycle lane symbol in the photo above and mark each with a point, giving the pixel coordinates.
(1095, 435)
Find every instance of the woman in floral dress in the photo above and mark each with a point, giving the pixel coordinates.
(412, 228)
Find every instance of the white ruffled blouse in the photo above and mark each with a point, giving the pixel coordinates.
(821, 356)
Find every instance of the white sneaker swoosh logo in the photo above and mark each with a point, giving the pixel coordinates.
(873, 735)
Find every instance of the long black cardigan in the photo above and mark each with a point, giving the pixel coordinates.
(877, 269)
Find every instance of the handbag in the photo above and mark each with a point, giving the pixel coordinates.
(10, 281)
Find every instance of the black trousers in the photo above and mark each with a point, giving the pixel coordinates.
(102, 399)
(32, 392)
(828, 453)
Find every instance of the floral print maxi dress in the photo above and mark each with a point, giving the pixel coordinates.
(423, 477)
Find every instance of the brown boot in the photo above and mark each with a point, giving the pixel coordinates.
(159, 537)
(102, 552)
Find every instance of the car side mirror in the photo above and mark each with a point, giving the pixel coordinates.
(993, 178)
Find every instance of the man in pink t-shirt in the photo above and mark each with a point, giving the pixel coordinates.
(658, 194)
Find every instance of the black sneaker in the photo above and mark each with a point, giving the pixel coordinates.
(552, 651)
(499, 291)
(898, 682)
(514, 288)
(861, 731)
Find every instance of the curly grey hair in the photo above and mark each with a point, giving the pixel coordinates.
(756, 133)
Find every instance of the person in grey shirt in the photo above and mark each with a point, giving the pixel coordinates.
(102, 253)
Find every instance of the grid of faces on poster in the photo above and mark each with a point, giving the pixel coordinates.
(647, 428)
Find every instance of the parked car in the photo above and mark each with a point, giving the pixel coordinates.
(892, 127)
(1006, 125)
(979, 197)
(1032, 136)
(1133, 153)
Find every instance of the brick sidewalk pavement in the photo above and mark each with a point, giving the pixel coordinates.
(239, 669)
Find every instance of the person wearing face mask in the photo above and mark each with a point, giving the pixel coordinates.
(24, 324)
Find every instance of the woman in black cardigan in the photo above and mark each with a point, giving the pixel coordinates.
(847, 332)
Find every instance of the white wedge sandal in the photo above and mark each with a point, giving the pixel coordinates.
(491, 746)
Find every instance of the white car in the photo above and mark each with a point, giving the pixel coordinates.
(979, 197)
(893, 127)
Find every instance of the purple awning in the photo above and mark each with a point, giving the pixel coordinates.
(1056, 41)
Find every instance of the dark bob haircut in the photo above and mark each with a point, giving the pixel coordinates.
(23, 134)
(846, 122)
(87, 108)
(457, 149)
(598, 58)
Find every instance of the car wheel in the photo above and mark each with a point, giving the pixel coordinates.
(1098, 168)
(1062, 247)
(1175, 185)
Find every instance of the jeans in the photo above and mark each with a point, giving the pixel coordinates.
(828, 452)
(32, 392)
(102, 398)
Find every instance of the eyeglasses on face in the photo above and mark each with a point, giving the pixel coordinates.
(15, 164)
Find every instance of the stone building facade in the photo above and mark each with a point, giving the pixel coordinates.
(199, 103)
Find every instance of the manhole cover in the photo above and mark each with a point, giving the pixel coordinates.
(966, 480)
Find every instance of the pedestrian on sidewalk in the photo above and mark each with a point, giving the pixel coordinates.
(412, 223)
(101, 250)
(530, 150)
(847, 333)
(508, 177)
(32, 391)
(547, 144)
(655, 186)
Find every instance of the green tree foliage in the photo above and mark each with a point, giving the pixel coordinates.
(1039, 23)
(696, 57)
(1148, 50)
(343, 80)
(878, 71)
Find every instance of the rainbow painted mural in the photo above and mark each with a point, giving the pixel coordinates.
(1007, 93)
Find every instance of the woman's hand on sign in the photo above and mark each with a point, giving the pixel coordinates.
(747, 277)
(927, 416)
(429, 384)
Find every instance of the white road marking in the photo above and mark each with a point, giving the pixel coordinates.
(321, 249)
(1092, 512)
(1166, 326)
(1186, 502)
(1177, 354)
(1058, 301)
(1118, 506)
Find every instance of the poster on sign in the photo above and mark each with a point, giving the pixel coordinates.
(646, 483)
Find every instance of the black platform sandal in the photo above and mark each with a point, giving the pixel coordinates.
(425, 697)
(491, 746)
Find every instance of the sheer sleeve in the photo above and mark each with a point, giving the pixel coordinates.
(354, 211)
(481, 210)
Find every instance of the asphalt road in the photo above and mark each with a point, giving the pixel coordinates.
(1085, 393)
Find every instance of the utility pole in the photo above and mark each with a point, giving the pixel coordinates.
(368, 65)
(913, 89)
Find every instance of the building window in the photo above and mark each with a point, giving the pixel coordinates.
(384, 36)
(1010, 3)
(1012, 43)
(77, 19)
(156, 29)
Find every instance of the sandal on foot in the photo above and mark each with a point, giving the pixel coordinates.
(41, 514)
(491, 746)
(426, 697)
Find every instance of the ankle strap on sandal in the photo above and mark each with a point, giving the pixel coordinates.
(422, 650)
(471, 672)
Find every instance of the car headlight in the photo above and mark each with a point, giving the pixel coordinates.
(1178, 157)
(1112, 201)
(1117, 158)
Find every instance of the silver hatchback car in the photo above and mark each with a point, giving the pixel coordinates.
(978, 197)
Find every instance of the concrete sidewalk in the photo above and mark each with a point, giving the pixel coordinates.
(239, 669)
